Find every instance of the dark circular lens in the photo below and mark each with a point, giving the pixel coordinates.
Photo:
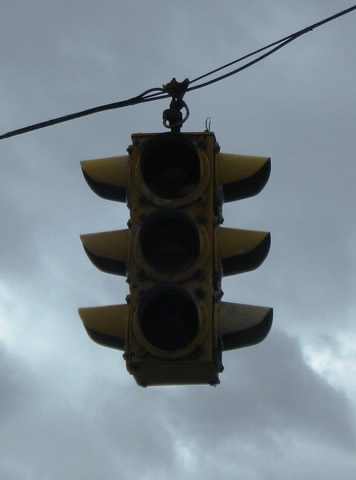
(169, 241)
(170, 165)
(168, 317)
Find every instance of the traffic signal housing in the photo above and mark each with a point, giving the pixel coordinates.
(174, 326)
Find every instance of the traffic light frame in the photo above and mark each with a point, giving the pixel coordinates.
(171, 338)
(175, 253)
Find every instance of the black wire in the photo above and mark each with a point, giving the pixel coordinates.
(281, 43)
(159, 93)
(236, 61)
(143, 97)
(237, 70)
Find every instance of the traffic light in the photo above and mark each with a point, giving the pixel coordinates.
(174, 326)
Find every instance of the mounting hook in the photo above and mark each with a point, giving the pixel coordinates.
(172, 117)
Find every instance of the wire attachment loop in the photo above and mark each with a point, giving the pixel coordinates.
(173, 117)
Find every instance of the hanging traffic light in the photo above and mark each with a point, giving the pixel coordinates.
(174, 254)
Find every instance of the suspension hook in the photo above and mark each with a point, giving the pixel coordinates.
(172, 117)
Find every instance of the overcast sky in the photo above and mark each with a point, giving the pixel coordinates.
(284, 409)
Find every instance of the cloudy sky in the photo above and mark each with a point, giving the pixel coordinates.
(284, 409)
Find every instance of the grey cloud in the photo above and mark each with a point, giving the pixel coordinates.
(269, 391)
(80, 415)
(17, 384)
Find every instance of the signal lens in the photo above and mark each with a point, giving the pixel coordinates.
(168, 317)
(170, 241)
(170, 166)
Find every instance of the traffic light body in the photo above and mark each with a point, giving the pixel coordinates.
(174, 326)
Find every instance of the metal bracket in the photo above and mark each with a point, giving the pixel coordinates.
(173, 117)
